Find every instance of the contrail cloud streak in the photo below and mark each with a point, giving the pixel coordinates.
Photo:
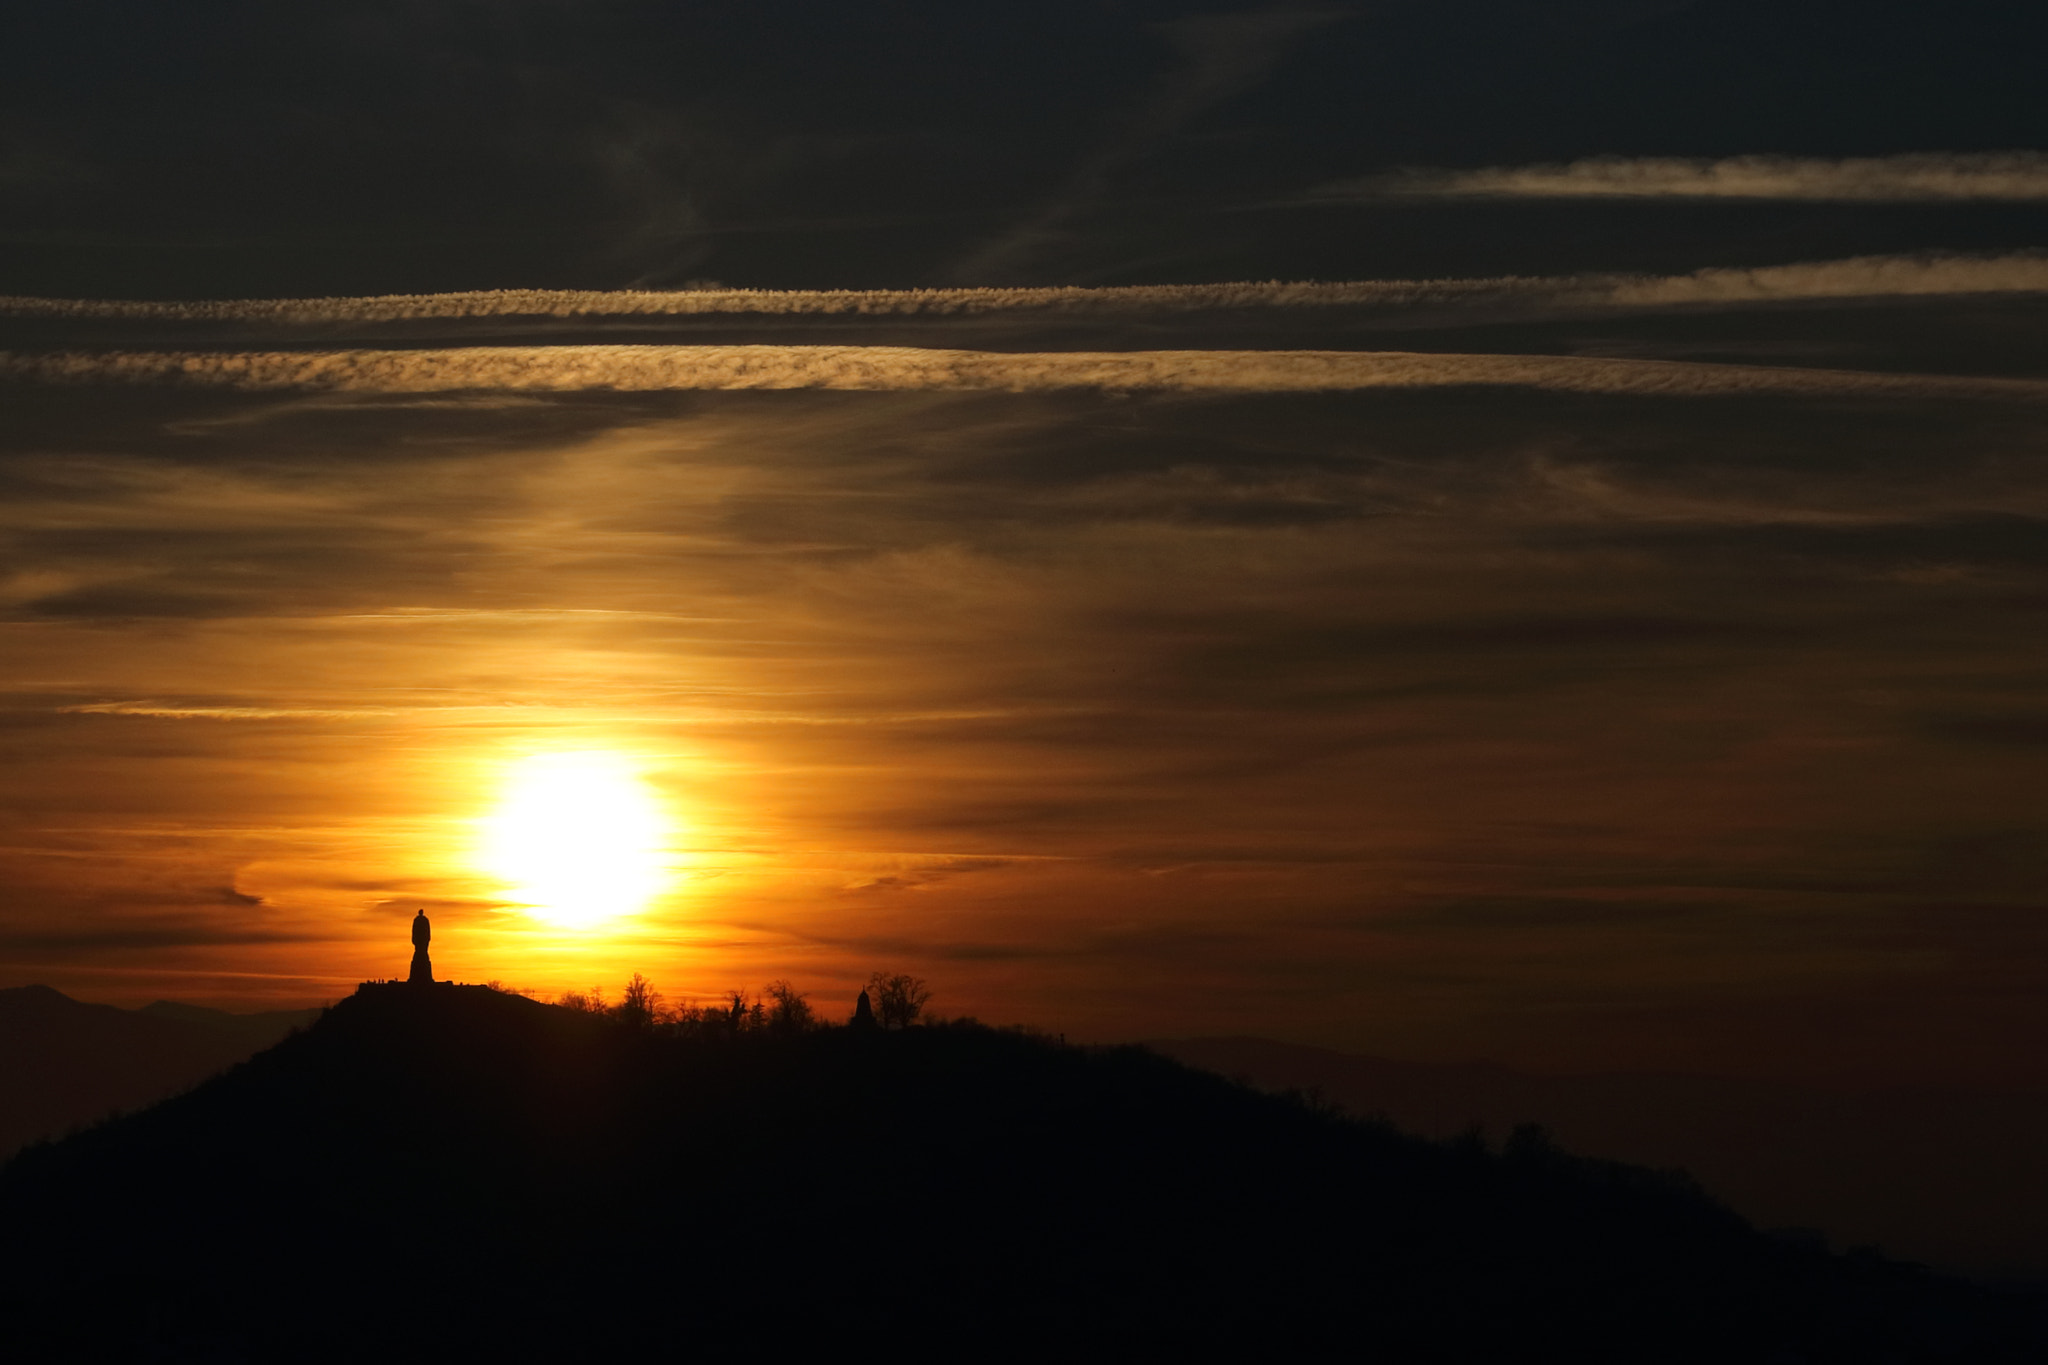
(2018, 176)
(1863, 276)
(889, 368)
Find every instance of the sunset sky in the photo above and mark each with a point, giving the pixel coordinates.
(1595, 615)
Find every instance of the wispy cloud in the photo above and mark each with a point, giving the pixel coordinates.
(1928, 177)
(1864, 277)
(904, 369)
(162, 711)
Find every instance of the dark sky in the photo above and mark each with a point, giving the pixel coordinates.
(1635, 663)
(215, 149)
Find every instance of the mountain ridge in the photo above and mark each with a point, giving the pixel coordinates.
(67, 1062)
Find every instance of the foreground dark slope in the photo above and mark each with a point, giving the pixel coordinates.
(455, 1169)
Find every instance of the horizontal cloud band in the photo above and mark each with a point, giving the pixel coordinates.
(653, 368)
(1916, 178)
(1863, 276)
(591, 303)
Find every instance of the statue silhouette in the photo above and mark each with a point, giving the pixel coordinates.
(422, 966)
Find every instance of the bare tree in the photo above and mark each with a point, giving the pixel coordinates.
(640, 1007)
(584, 1002)
(788, 1011)
(899, 999)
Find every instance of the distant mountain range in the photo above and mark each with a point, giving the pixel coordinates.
(1952, 1176)
(64, 1063)
(455, 1172)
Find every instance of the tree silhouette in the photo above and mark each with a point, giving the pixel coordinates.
(640, 1006)
(788, 1011)
(584, 1002)
(899, 999)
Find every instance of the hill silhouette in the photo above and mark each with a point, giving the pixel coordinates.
(450, 1169)
(64, 1063)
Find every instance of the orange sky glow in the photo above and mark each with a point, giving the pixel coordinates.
(1572, 727)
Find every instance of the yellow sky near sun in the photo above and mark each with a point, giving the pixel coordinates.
(579, 839)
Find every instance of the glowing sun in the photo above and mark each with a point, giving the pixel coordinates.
(577, 837)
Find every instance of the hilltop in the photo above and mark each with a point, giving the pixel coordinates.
(451, 1169)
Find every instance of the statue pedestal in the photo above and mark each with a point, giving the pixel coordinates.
(422, 969)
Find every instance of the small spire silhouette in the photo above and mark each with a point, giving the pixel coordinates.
(863, 1012)
(422, 966)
